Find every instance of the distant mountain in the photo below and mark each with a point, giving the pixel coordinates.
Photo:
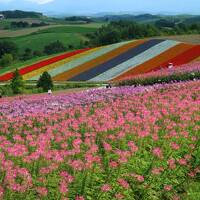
(21, 14)
(150, 18)
(129, 17)
(191, 20)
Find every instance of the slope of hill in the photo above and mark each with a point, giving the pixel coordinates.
(21, 14)
(112, 62)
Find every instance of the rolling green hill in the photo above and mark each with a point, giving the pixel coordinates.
(68, 35)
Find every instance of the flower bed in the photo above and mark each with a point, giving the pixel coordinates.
(34, 75)
(135, 60)
(125, 143)
(155, 62)
(33, 67)
(186, 68)
(111, 53)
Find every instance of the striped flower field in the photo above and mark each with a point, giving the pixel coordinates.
(112, 62)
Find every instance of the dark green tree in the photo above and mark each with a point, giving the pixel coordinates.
(6, 60)
(54, 47)
(45, 82)
(7, 47)
(28, 54)
(17, 83)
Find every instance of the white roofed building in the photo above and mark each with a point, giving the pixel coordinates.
(1, 16)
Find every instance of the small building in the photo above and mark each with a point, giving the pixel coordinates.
(2, 16)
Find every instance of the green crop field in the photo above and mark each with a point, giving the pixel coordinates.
(68, 35)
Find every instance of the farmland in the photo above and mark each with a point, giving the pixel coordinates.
(111, 62)
(36, 39)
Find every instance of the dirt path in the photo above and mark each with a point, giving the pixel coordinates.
(27, 31)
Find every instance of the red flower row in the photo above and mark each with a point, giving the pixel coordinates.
(41, 64)
(183, 58)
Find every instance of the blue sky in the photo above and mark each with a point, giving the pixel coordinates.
(96, 6)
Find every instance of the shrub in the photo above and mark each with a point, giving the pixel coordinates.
(160, 79)
(45, 82)
(17, 84)
(7, 47)
(6, 60)
(54, 47)
(5, 90)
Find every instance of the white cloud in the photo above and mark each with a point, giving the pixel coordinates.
(39, 1)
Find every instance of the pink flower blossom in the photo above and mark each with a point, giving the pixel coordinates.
(80, 198)
(42, 191)
(158, 152)
(182, 161)
(106, 188)
(119, 196)
(122, 182)
(167, 187)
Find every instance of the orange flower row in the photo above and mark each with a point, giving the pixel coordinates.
(156, 61)
(101, 59)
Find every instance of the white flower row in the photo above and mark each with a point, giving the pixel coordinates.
(83, 59)
(135, 61)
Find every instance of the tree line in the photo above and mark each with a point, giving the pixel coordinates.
(117, 31)
(113, 32)
(23, 24)
(9, 52)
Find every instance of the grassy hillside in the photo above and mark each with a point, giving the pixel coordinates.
(68, 35)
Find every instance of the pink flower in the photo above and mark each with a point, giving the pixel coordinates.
(192, 174)
(187, 157)
(1, 192)
(106, 188)
(42, 191)
(140, 178)
(77, 165)
(155, 137)
(157, 171)
(113, 164)
(119, 196)
(157, 152)
(80, 198)
(123, 183)
(76, 143)
(68, 178)
(132, 146)
(63, 187)
(171, 163)
(175, 146)
(107, 146)
(175, 197)
(182, 161)
(167, 187)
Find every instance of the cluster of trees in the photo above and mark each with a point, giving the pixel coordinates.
(9, 52)
(174, 27)
(23, 24)
(117, 31)
(17, 84)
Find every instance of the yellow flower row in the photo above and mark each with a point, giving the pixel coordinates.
(57, 64)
